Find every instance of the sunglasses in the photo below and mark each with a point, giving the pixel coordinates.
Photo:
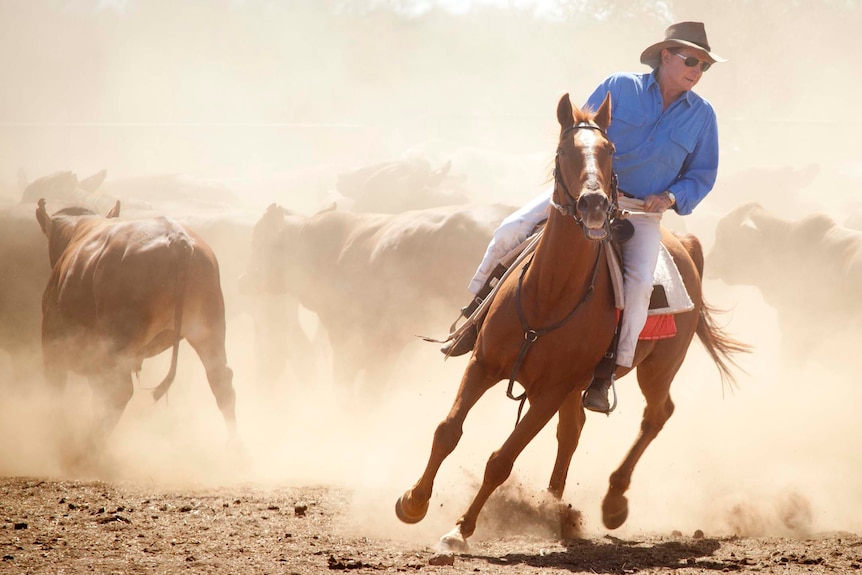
(692, 61)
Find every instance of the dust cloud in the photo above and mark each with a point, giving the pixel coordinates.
(274, 99)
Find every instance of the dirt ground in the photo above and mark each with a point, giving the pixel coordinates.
(55, 526)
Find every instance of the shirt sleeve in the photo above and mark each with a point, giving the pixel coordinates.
(595, 100)
(699, 170)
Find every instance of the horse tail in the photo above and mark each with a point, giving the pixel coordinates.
(182, 251)
(721, 347)
(694, 248)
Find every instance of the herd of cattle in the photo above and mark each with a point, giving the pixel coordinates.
(122, 283)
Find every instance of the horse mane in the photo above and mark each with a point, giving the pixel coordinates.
(585, 114)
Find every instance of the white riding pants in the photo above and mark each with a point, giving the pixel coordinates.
(640, 256)
(511, 232)
(639, 259)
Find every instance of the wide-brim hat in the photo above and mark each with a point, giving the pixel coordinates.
(691, 34)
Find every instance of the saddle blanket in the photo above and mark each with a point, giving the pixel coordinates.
(658, 327)
(669, 295)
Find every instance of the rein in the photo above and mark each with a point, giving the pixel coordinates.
(532, 335)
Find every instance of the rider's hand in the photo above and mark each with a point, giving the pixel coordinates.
(657, 203)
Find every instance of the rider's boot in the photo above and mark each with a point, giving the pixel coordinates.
(465, 343)
(595, 397)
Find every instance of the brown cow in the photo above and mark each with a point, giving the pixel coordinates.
(25, 272)
(398, 186)
(63, 187)
(376, 281)
(122, 291)
(809, 270)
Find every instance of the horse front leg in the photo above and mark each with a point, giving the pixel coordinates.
(659, 408)
(500, 464)
(571, 423)
(413, 505)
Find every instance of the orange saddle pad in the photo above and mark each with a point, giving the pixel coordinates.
(661, 326)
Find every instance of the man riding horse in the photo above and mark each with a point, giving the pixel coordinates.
(666, 157)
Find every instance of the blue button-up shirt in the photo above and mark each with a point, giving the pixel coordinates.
(675, 149)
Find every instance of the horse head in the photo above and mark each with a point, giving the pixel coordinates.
(584, 181)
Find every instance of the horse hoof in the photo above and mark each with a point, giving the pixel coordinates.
(405, 517)
(571, 523)
(615, 511)
(453, 542)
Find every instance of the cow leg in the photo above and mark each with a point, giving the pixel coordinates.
(413, 505)
(221, 383)
(54, 363)
(270, 318)
(57, 415)
(571, 423)
(212, 354)
(112, 390)
(500, 464)
(654, 380)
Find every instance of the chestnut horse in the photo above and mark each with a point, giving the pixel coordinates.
(562, 302)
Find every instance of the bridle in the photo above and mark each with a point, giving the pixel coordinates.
(531, 335)
(570, 207)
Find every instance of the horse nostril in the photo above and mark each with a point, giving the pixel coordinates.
(587, 202)
(583, 204)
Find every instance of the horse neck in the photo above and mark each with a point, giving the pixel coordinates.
(564, 261)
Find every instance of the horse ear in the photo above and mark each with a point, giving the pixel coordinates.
(565, 115)
(603, 116)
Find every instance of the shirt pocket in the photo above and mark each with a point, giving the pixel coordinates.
(628, 125)
(685, 136)
(683, 140)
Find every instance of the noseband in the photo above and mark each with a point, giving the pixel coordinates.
(570, 208)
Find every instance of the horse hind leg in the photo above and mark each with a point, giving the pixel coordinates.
(412, 506)
(659, 408)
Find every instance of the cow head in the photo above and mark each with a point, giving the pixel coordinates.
(751, 243)
(265, 270)
(62, 186)
(60, 226)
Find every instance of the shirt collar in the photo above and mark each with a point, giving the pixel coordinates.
(652, 84)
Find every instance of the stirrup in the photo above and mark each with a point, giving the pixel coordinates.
(610, 385)
(461, 345)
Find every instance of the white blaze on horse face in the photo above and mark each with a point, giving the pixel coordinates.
(593, 216)
(591, 164)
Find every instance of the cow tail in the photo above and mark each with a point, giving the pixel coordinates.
(182, 250)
